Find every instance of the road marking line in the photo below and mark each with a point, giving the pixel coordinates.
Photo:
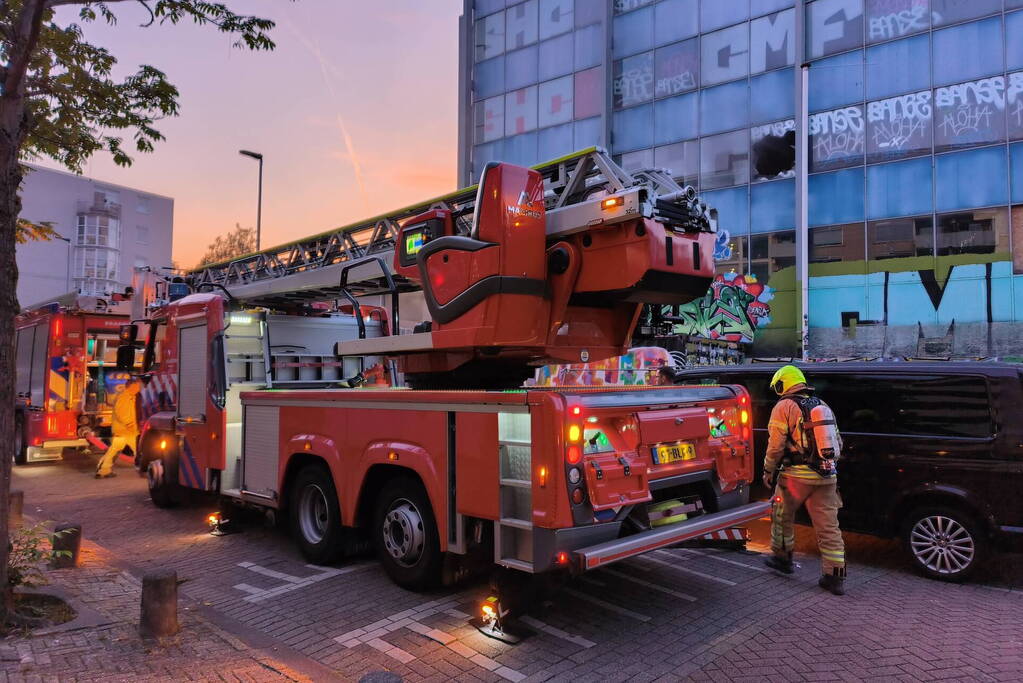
(291, 582)
(712, 556)
(687, 570)
(249, 589)
(274, 574)
(557, 632)
(649, 584)
(607, 605)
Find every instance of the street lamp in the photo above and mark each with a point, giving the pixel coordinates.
(259, 205)
(67, 276)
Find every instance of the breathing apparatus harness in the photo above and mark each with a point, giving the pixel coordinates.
(821, 433)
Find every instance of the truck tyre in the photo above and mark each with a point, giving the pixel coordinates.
(162, 475)
(943, 542)
(20, 443)
(315, 515)
(405, 535)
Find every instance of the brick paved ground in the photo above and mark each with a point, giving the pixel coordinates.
(704, 615)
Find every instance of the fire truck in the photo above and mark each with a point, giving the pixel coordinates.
(455, 466)
(67, 375)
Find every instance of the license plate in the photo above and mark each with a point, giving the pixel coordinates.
(674, 453)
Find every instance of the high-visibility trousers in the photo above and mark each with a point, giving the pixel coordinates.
(822, 502)
(117, 444)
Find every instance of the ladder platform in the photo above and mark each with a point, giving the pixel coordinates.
(382, 346)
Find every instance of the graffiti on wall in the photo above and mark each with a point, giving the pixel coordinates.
(640, 366)
(732, 309)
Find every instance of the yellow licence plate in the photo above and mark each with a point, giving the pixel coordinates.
(674, 453)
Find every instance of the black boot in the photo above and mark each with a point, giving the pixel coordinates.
(781, 564)
(833, 583)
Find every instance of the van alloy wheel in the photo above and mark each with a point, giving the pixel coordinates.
(942, 544)
(404, 533)
(312, 513)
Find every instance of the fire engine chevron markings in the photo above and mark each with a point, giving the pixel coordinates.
(607, 605)
(674, 565)
(649, 584)
(723, 559)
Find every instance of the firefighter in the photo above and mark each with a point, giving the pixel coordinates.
(125, 426)
(805, 479)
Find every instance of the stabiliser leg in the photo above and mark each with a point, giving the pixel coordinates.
(512, 593)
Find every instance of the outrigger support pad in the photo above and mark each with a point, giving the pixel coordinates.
(493, 622)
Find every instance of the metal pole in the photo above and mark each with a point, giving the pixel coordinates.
(67, 278)
(802, 78)
(259, 204)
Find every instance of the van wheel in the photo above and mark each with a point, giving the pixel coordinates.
(943, 542)
(163, 489)
(315, 516)
(405, 535)
(20, 445)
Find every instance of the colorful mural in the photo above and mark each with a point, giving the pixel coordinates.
(733, 309)
(641, 366)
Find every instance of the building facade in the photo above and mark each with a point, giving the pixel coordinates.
(913, 181)
(105, 232)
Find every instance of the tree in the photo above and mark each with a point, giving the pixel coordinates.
(238, 242)
(58, 99)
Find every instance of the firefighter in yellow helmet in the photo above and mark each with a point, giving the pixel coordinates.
(803, 446)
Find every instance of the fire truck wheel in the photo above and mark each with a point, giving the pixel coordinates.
(20, 445)
(405, 535)
(162, 491)
(315, 516)
(943, 542)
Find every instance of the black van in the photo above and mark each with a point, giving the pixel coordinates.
(933, 452)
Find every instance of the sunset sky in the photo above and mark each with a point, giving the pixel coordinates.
(354, 112)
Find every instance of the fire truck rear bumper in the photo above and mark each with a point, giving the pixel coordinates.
(601, 554)
(51, 450)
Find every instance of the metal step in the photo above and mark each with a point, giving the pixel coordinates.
(517, 523)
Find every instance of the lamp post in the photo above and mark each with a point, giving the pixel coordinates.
(67, 274)
(259, 202)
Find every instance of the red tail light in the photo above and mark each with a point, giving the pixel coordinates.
(51, 425)
(561, 557)
(574, 455)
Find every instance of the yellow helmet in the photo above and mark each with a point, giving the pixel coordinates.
(787, 377)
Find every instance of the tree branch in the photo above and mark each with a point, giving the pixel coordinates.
(23, 45)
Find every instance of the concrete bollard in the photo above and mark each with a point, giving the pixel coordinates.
(17, 507)
(66, 537)
(159, 603)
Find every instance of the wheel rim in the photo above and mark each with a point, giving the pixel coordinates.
(312, 513)
(154, 474)
(942, 544)
(404, 534)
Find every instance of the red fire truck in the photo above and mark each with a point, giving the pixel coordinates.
(530, 267)
(67, 375)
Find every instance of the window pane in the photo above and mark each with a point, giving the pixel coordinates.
(520, 68)
(521, 150)
(633, 80)
(1013, 4)
(623, 6)
(676, 67)
(887, 19)
(900, 238)
(968, 51)
(715, 13)
(982, 231)
(1016, 156)
(731, 253)
(556, 17)
(724, 107)
(770, 253)
(555, 57)
(555, 142)
(899, 127)
(555, 102)
(489, 78)
(633, 128)
(900, 189)
(725, 55)
(675, 118)
(588, 133)
(488, 6)
(733, 209)
(836, 81)
(589, 46)
(588, 93)
(481, 154)
(521, 25)
(758, 7)
(758, 133)
(773, 206)
(724, 160)
(952, 11)
(520, 111)
(589, 13)
(837, 138)
(634, 161)
(675, 19)
(682, 158)
(969, 114)
(490, 119)
(836, 243)
(772, 96)
(1015, 102)
(968, 179)
(836, 197)
(1014, 48)
(772, 41)
(490, 36)
(833, 26)
(898, 67)
(633, 32)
